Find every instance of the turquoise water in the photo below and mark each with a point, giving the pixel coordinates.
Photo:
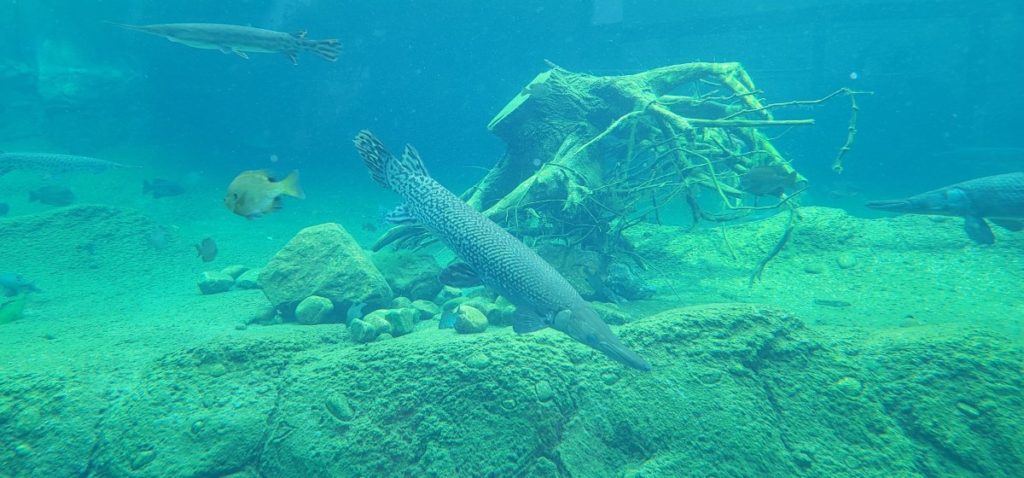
(790, 329)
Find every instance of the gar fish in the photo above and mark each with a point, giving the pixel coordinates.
(55, 163)
(543, 298)
(239, 39)
(999, 199)
(52, 195)
(14, 284)
(254, 193)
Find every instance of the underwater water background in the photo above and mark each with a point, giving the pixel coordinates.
(95, 371)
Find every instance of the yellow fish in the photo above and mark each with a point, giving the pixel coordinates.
(254, 193)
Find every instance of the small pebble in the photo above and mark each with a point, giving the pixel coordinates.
(849, 386)
(813, 268)
(543, 391)
(142, 458)
(846, 261)
(339, 408)
(478, 360)
(968, 410)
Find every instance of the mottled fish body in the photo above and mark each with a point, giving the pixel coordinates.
(55, 163)
(240, 40)
(998, 198)
(542, 296)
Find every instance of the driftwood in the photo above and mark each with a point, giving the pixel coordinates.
(589, 156)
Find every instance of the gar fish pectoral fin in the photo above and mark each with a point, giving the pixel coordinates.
(460, 274)
(525, 322)
(978, 230)
(1009, 224)
(400, 215)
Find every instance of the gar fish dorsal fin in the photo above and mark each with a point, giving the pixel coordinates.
(412, 162)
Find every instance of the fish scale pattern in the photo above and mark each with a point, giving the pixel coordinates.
(996, 196)
(503, 262)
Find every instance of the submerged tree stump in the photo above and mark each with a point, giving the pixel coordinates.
(589, 156)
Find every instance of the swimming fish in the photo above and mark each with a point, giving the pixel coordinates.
(239, 39)
(52, 194)
(55, 163)
(254, 193)
(207, 250)
(543, 298)
(162, 188)
(14, 284)
(998, 198)
(768, 180)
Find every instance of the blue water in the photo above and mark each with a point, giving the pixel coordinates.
(945, 105)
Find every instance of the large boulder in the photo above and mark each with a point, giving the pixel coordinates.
(325, 261)
(411, 274)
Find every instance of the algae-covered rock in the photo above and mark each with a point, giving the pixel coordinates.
(370, 327)
(402, 321)
(313, 310)
(248, 279)
(325, 261)
(426, 308)
(215, 282)
(469, 320)
(411, 274)
(762, 394)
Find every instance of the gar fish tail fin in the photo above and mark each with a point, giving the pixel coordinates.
(326, 49)
(290, 186)
(386, 169)
(375, 155)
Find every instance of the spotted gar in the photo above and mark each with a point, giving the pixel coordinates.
(55, 163)
(240, 40)
(543, 298)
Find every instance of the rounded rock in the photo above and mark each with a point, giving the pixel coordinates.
(313, 310)
(544, 391)
(361, 331)
(469, 320)
(235, 270)
(215, 282)
(402, 321)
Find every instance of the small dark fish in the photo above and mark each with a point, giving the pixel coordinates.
(14, 284)
(207, 250)
(52, 195)
(768, 180)
(162, 188)
(4, 209)
(832, 303)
